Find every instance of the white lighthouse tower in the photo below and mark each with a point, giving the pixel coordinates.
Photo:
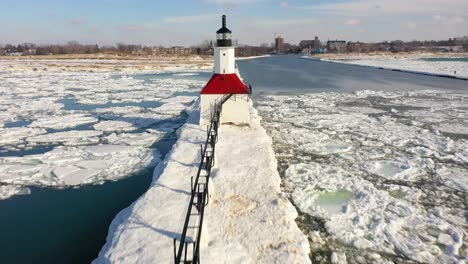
(224, 81)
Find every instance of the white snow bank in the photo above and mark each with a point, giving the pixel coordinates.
(248, 215)
(246, 205)
(252, 57)
(457, 69)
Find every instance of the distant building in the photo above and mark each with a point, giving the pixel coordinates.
(336, 46)
(279, 44)
(358, 47)
(14, 54)
(29, 52)
(180, 51)
(310, 46)
(306, 44)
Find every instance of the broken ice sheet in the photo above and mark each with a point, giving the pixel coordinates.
(65, 121)
(85, 125)
(65, 166)
(399, 186)
(360, 215)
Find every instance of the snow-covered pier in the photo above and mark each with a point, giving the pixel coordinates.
(215, 207)
(248, 219)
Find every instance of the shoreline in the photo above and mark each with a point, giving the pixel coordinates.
(413, 63)
(399, 55)
(104, 65)
(400, 70)
(252, 57)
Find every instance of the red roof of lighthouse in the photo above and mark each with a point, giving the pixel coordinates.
(225, 84)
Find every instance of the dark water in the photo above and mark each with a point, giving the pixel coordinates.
(18, 123)
(446, 59)
(66, 225)
(292, 75)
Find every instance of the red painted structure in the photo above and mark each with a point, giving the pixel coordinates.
(225, 84)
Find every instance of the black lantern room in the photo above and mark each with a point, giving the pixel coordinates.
(223, 35)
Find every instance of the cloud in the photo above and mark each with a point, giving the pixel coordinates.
(232, 3)
(133, 28)
(392, 7)
(191, 19)
(285, 22)
(352, 22)
(411, 25)
(444, 20)
(78, 21)
(284, 4)
(94, 30)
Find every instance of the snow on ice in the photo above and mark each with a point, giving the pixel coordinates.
(411, 64)
(68, 128)
(384, 171)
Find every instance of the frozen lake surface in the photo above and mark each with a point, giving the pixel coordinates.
(64, 129)
(76, 148)
(375, 161)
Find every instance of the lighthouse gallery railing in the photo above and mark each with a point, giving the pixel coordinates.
(199, 192)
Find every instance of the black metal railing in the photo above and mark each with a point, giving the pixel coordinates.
(188, 251)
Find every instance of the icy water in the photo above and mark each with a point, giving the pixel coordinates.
(290, 74)
(446, 59)
(376, 162)
(77, 148)
(67, 225)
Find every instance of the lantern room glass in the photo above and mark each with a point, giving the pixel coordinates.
(223, 36)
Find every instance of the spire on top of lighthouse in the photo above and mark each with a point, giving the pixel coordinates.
(223, 35)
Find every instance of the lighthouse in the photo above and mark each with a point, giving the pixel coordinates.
(225, 81)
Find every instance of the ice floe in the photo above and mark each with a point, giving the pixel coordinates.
(358, 214)
(73, 137)
(85, 127)
(67, 166)
(18, 134)
(61, 122)
(382, 175)
(7, 191)
(113, 125)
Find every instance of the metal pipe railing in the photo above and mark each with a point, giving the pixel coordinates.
(200, 190)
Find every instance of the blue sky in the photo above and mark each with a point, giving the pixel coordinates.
(184, 22)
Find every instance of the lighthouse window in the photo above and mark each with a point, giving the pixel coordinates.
(223, 36)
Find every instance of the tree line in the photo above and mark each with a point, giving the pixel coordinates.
(73, 47)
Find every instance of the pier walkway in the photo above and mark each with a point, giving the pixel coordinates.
(247, 219)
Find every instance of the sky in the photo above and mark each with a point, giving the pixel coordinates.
(253, 22)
